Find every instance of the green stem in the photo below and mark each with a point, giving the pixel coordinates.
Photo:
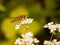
(51, 36)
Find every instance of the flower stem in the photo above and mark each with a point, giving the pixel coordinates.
(51, 36)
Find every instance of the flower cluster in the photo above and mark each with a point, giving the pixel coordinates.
(27, 39)
(53, 42)
(53, 27)
(25, 21)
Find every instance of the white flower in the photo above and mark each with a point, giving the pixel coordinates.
(18, 26)
(53, 27)
(29, 20)
(29, 34)
(35, 40)
(49, 24)
(53, 42)
(19, 41)
(47, 42)
(59, 42)
(25, 21)
(58, 27)
(27, 39)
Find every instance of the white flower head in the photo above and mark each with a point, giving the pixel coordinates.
(18, 26)
(19, 41)
(27, 39)
(53, 42)
(27, 21)
(58, 27)
(27, 35)
(47, 42)
(35, 40)
(53, 27)
(22, 22)
(49, 24)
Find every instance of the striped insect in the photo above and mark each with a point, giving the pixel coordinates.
(19, 18)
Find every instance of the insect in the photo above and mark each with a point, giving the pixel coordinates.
(22, 17)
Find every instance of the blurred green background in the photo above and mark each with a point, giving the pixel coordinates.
(43, 11)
